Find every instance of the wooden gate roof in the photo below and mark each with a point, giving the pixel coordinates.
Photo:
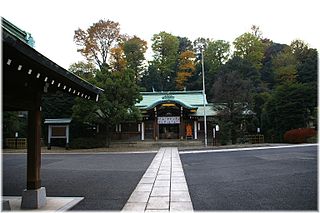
(25, 71)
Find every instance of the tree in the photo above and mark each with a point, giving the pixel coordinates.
(285, 66)
(186, 68)
(184, 44)
(84, 70)
(95, 42)
(250, 47)
(117, 59)
(287, 108)
(165, 47)
(116, 104)
(134, 50)
(148, 82)
(233, 94)
(267, 71)
(216, 54)
(103, 44)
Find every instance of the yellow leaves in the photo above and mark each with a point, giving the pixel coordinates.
(182, 78)
(95, 42)
(117, 60)
(186, 68)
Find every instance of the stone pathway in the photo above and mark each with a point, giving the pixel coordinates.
(163, 187)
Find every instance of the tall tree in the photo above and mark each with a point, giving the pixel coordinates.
(134, 49)
(118, 63)
(186, 68)
(233, 94)
(184, 44)
(250, 47)
(165, 47)
(285, 65)
(287, 108)
(103, 44)
(83, 70)
(95, 42)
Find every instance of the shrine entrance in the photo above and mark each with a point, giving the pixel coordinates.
(169, 131)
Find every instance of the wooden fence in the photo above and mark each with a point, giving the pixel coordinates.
(16, 143)
(255, 138)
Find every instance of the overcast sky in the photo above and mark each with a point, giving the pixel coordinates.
(52, 23)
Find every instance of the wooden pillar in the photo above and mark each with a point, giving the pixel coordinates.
(181, 126)
(34, 197)
(34, 146)
(49, 136)
(67, 135)
(155, 125)
(195, 128)
(142, 131)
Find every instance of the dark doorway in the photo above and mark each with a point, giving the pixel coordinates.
(169, 131)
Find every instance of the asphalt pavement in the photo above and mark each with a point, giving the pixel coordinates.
(106, 181)
(265, 179)
(270, 179)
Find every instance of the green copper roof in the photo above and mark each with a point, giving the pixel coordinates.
(188, 99)
(17, 32)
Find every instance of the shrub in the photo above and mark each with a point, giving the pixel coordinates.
(299, 135)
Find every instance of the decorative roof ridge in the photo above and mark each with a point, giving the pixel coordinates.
(17, 32)
(171, 92)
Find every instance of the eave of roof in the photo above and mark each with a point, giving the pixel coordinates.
(58, 121)
(15, 42)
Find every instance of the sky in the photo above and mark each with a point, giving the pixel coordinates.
(52, 23)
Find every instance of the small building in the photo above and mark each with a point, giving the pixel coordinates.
(169, 115)
(58, 129)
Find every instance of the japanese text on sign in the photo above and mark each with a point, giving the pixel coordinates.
(169, 120)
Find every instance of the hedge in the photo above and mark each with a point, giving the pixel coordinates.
(300, 135)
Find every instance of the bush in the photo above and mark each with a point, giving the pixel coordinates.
(87, 143)
(299, 135)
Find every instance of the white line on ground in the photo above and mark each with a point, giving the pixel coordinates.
(246, 149)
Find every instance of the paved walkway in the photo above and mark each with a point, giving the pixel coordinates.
(163, 187)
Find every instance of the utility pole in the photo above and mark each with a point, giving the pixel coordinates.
(204, 102)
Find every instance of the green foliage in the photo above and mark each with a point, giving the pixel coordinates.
(277, 81)
(165, 47)
(57, 105)
(216, 54)
(287, 108)
(14, 122)
(84, 70)
(250, 47)
(234, 95)
(285, 65)
(134, 50)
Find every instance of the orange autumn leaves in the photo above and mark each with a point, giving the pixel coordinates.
(186, 68)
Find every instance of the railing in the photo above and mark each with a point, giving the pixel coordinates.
(16, 143)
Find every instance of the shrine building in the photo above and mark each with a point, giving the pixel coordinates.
(169, 115)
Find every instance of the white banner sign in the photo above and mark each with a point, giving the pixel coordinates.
(169, 120)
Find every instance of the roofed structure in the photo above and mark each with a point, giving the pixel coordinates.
(27, 74)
